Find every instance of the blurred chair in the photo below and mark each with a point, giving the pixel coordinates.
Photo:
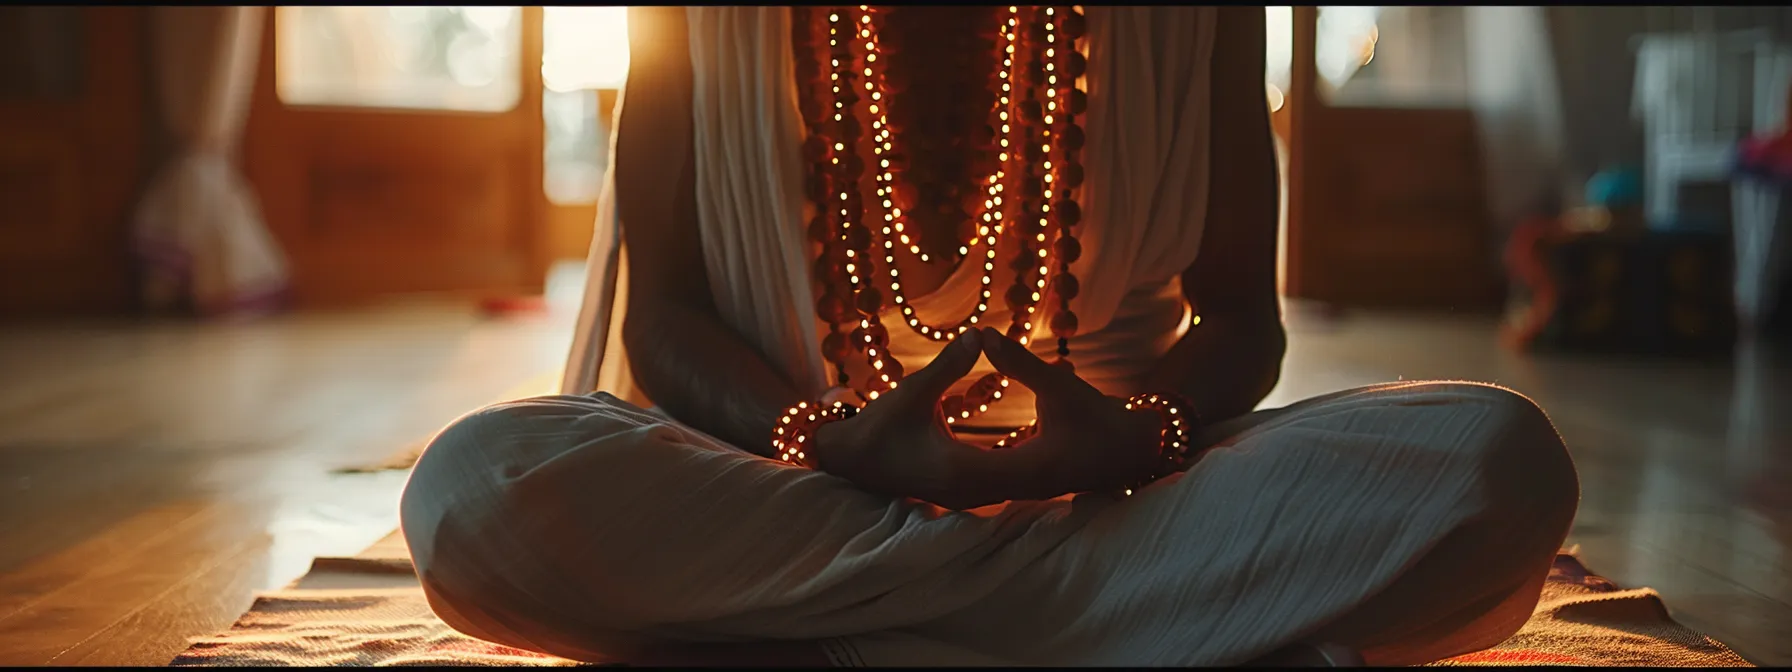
(1756, 215)
(1693, 95)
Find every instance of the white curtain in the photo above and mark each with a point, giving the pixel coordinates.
(198, 231)
(1514, 92)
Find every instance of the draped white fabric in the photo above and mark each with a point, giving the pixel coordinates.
(198, 230)
(1144, 197)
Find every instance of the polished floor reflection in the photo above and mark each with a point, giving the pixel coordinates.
(153, 476)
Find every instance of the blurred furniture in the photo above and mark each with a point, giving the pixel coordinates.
(1757, 220)
(72, 146)
(1616, 291)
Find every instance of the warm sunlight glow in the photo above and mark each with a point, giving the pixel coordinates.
(584, 48)
(1345, 42)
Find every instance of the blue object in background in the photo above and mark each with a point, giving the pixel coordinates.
(1614, 188)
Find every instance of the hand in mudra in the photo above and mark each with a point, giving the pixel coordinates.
(899, 444)
(1096, 442)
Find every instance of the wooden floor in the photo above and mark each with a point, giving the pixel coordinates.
(153, 476)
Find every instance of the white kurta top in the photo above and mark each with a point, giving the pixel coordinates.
(1144, 199)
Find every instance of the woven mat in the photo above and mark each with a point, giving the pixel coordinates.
(406, 457)
(369, 610)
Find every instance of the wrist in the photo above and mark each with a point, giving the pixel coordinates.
(826, 442)
(796, 437)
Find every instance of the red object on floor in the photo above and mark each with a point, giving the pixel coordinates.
(513, 305)
(1525, 261)
(1766, 156)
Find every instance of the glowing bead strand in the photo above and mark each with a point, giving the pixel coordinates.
(1065, 103)
(1024, 294)
(858, 34)
(825, 229)
(1026, 139)
(790, 436)
(894, 225)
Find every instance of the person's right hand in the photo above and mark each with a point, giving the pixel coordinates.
(1094, 441)
(899, 444)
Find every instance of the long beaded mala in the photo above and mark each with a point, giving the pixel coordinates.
(1037, 141)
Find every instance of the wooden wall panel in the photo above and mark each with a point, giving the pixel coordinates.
(71, 165)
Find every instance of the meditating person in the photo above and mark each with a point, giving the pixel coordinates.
(933, 336)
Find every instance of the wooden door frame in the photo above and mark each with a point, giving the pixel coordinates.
(1299, 100)
(275, 178)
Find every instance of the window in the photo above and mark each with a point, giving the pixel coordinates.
(432, 58)
(1395, 56)
(584, 51)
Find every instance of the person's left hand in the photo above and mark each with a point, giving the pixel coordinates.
(1096, 443)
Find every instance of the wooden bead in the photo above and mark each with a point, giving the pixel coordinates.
(1032, 111)
(1064, 324)
(1079, 101)
(1071, 137)
(836, 348)
(1016, 331)
(1075, 25)
(834, 307)
(951, 406)
(828, 272)
(1067, 212)
(876, 333)
(819, 230)
(1066, 286)
(1075, 65)
(974, 397)
(816, 149)
(870, 301)
(858, 238)
(1018, 297)
(1068, 249)
(1070, 174)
